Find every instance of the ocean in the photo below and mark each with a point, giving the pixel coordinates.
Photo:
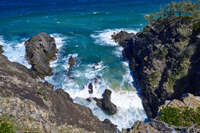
(82, 29)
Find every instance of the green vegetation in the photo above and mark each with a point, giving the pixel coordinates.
(154, 79)
(6, 127)
(184, 31)
(196, 26)
(188, 9)
(180, 117)
(42, 93)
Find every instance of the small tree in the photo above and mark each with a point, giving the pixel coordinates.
(181, 8)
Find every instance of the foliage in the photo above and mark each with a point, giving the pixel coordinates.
(154, 79)
(180, 117)
(182, 8)
(196, 26)
(6, 127)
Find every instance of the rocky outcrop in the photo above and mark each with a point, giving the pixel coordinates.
(153, 126)
(188, 101)
(40, 50)
(123, 37)
(19, 82)
(106, 104)
(165, 60)
(25, 116)
(1, 50)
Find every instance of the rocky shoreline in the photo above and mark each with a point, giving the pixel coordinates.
(42, 108)
(164, 59)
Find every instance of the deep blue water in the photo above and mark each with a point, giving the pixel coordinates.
(82, 28)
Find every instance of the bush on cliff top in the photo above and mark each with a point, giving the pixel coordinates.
(188, 9)
(185, 117)
(6, 127)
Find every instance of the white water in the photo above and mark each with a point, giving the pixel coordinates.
(129, 104)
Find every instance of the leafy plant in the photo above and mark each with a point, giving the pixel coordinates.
(180, 116)
(6, 127)
(182, 8)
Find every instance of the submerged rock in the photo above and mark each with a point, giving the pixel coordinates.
(40, 50)
(106, 104)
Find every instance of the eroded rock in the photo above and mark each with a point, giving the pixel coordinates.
(106, 104)
(164, 59)
(40, 50)
(123, 37)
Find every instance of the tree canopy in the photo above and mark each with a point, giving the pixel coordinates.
(181, 8)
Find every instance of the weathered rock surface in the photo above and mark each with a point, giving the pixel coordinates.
(18, 81)
(189, 101)
(40, 50)
(106, 104)
(150, 127)
(1, 50)
(123, 37)
(165, 61)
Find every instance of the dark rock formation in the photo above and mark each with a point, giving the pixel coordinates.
(40, 49)
(106, 104)
(150, 127)
(1, 50)
(165, 61)
(123, 37)
(18, 81)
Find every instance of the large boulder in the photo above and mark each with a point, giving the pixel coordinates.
(40, 50)
(106, 104)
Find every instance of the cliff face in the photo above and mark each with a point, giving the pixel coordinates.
(164, 58)
(17, 83)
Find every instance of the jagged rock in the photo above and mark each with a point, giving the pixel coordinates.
(71, 61)
(141, 127)
(122, 37)
(165, 61)
(18, 81)
(189, 101)
(40, 50)
(106, 104)
(1, 49)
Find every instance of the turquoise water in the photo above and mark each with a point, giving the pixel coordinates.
(83, 29)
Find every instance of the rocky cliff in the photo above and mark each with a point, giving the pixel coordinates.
(33, 104)
(164, 58)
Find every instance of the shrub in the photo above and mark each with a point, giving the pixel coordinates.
(180, 117)
(6, 127)
(196, 26)
(183, 8)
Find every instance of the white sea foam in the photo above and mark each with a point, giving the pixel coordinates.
(15, 51)
(129, 105)
(59, 39)
(105, 37)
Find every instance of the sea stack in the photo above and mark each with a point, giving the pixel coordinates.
(40, 50)
(106, 104)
